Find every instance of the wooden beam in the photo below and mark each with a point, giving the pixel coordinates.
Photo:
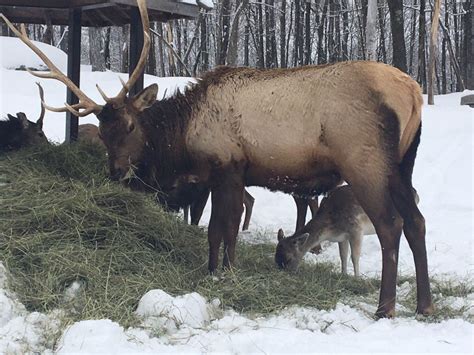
(136, 45)
(73, 70)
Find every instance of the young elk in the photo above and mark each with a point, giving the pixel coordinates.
(17, 131)
(283, 129)
(340, 219)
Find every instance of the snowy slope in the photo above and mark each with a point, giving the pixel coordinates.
(191, 324)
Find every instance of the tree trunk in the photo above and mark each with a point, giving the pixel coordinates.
(170, 39)
(345, 29)
(246, 44)
(270, 38)
(469, 43)
(444, 88)
(398, 34)
(322, 59)
(96, 49)
(151, 64)
(383, 50)
(433, 40)
(283, 63)
(371, 30)
(232, 52)
(204, 45)
(107, 47)
(223, 32)
(307, 30)
(260, 42)
(161, 53)
(125, 39)
(421, 47)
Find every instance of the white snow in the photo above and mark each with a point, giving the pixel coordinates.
(208, 4)
(191, 324)
(14, 54)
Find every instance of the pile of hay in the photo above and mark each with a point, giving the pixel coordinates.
(62, 220)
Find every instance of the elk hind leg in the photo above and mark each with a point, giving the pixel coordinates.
(343, 253)
(374, 197)
(414, 230)
(356, 246)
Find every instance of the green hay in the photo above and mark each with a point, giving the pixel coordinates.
(62, 221)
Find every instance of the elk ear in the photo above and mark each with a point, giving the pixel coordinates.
(23, 119)
(280, 235)
(145, 98)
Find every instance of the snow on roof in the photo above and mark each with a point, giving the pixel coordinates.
(207, 4)
(15, 55)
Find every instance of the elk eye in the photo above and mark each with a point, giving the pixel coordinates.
(131, 127)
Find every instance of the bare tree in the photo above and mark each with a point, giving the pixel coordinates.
(371, 30)
(398, 34)
(433, 40)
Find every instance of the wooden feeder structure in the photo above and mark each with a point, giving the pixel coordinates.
(94, 13)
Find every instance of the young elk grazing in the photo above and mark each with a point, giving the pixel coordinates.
(301, 131)
(340, 219)
(17, 132)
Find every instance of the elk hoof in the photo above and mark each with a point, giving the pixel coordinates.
(425, 310)
(385, 313)
(316, 250)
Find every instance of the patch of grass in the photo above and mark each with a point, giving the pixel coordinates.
(62, 221)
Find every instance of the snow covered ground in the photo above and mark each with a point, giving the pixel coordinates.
(191, 324)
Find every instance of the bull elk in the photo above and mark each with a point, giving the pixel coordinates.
(17, 131)
(340, 219)
(302, 131)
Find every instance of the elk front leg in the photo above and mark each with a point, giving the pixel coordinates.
(227, 208)
(301, 209)
(197, 207)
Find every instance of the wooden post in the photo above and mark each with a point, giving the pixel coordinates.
(136, 46)
(73, 69)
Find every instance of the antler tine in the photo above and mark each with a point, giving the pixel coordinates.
(43, 109)
(102, 93)
(145, 50)
(74, 109)
(85, 102)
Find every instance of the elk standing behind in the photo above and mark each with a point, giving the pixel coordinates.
(340, 219)
(353, 121)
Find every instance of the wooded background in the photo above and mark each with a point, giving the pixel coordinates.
(271, 34)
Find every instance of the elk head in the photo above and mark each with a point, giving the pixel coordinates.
(290, 251)
(22, 132)
(119, 118)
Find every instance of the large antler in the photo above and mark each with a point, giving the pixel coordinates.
(43, 109)
(85, 103)
(141, 62)
(145, 50)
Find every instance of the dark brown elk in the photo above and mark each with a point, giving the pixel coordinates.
(17, 132)
(299, 131)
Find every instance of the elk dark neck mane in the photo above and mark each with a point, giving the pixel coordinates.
(165, 125)
(10, 133)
